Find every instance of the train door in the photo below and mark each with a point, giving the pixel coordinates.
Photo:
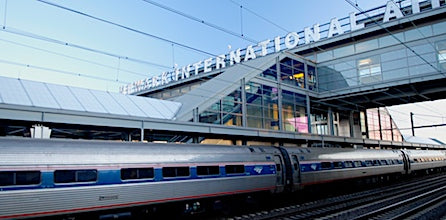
(406, 162)
(279, 173)
(296, 172)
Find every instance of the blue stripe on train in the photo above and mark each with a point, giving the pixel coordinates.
(107, 177)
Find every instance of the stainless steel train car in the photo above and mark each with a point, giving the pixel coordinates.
(57, 177)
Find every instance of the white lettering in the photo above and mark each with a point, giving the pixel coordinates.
(335, 28)
(207, 65)
(234, 57)
(197, 66)
(415, 6)
(155, 81)
(185, 71)
(392, 11)
(220, 61)
(353, 25)
(291, 43)
(263, 45)
(312, 35)
(164, 79)
(250, 54)
(277, 44)
(435, 3)
(177, 73)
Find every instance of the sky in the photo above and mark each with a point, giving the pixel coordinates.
(42, 42)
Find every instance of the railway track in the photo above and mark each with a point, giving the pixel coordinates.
(424, 198)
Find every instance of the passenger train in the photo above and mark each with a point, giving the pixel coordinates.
(41, 178)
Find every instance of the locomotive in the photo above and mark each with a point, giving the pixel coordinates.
(41, 178)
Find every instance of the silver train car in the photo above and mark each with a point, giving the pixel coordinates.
(57, 177)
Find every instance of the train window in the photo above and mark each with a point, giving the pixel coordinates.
(384, 162)
(400, 161)
(72, 176)
(348, 164)
(295, 162)
(376, 163)
(137, 173)
(337, 164)
(326, 165)
(208, 170)
(175, 171)
(232, 169)
(251, 149)
(9, 178)
(368, 163)
(357, 163)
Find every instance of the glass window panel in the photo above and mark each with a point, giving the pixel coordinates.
(311, 75)
(439, 28)
(421, 49)
(344, 51)
(415, 60)
(141, 173)
(232, 119)
(254, 122)
(6, 178)
(27, 177)
(421, 69)
(64, 176)
(324, 56)
(418, 33)
(393, 55)
(345, 66)
(212, 115)
(390, 40)
(395, 64)
(366, 45)
(86, 175)
(130, 173)
(396, 73)
(254, 110)
(234, 169)
(208, 170)
(270, 73)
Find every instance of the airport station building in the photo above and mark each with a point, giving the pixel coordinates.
(332, 79)
(327, 83)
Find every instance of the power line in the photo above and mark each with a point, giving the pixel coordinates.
(259, 16)
(51, 40)
(200, 21)
(72, 57)
(58, 71)
(396, 38)
(125, 27)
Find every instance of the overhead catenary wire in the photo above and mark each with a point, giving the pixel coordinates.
(58, 71)
(72, 57)
(126, 27)
(395, 37)
(52, 40)
(242, 36)
(260, 16)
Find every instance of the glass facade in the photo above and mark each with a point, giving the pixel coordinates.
(381, 126)
(382, 59)
(287, 95)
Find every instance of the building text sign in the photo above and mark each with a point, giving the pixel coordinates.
(290, 41)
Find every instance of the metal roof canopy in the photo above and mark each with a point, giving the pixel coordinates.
(24, 93)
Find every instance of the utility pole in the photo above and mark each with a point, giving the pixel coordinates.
(411, 123)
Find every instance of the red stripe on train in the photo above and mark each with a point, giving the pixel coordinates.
(132, 203)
